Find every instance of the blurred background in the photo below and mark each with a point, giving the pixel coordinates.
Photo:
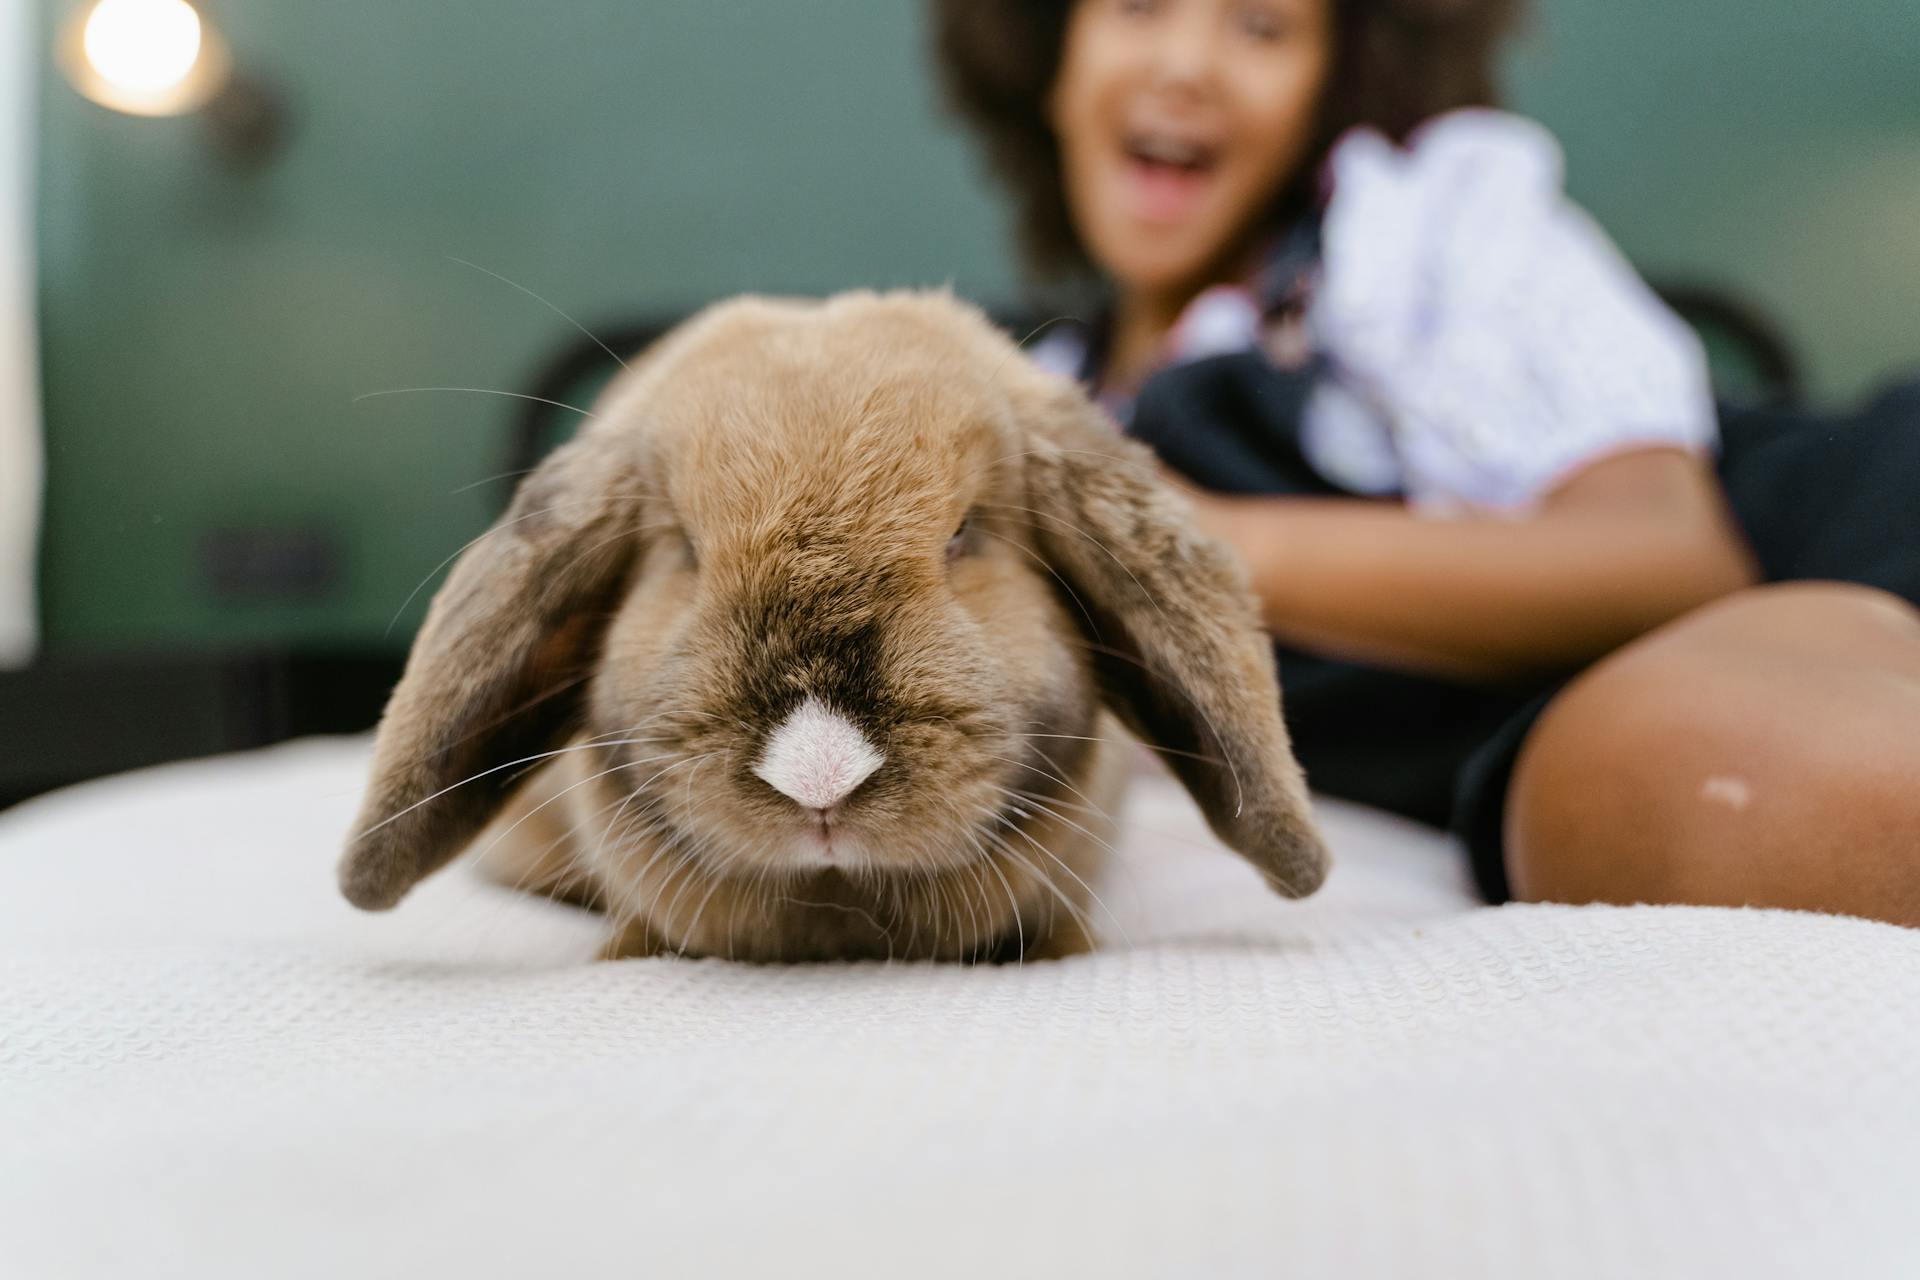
(224, 231)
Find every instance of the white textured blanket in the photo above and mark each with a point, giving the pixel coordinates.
(211, 1068)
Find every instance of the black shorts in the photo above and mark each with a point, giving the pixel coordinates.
(1821, 497)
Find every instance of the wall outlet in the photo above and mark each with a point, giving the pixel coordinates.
(259, 565)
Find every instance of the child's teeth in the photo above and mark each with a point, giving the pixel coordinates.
(1169, 152)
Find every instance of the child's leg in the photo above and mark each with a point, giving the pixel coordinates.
(1763, 750)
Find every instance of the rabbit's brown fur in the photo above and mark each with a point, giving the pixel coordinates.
(872, 505)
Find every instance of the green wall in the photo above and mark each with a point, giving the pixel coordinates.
(206, 331)
(1770, 145)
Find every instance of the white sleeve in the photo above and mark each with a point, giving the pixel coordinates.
(1499, 333)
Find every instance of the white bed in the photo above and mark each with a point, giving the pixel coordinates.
(211, 1067)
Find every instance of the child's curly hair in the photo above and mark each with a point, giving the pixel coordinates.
(1396, 64)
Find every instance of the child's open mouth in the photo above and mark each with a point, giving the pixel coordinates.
(1166, 177)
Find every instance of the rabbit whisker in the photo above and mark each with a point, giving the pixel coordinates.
(504, 475)
(1065, 586)
(971, 830)
(844, 908)
(498, 527)
(561, 794)
(1074, 528)
(647, 835)
(1013, 906)
(1054, 808)
(628, 847)
(478, 391)
(718, 872)
(1072, 908)
(1166, 751)
(1055, 778)
(976, 931)
(1233, 772)
(548, 305)
(1020, 347)
(541, 755)
(1074, 875)
(716, 876)
(699, 870)
(694, 860)
(573, 863)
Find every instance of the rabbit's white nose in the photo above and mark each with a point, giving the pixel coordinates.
(817, 757)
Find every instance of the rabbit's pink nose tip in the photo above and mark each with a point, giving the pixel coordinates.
(817, 757)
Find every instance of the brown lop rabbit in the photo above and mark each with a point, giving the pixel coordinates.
(814, 641)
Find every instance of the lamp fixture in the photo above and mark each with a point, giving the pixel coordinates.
(145, 57)
(163, 58)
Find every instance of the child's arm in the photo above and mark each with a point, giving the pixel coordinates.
(1623, 545)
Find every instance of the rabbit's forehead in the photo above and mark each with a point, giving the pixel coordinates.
(897, 446)
(901, 404)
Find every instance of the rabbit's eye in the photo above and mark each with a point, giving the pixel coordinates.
(962, 540)
(682, 542)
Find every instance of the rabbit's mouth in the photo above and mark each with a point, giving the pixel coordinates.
(824, 845)
(833, 844)
(852, 846)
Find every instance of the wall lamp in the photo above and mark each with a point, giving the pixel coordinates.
(163, 58)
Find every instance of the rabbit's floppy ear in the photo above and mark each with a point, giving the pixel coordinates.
(1173, 630)
(498, 670)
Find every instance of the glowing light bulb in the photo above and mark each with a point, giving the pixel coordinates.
(144, 57)
(142, 47)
